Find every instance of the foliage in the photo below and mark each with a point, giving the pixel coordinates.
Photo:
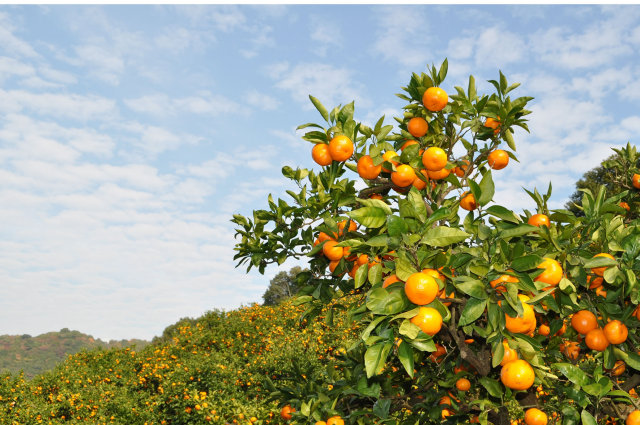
(220, 368)
(613, 173)
(35, 355)
(505, 287)
(284, 285)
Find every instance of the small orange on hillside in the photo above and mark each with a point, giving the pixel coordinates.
(434, 158)
(341, 148)
(600, 270)
(539, 220)
(463, 384)
(366, 169)
(320, 154)
(403, 176)
(286, 411)
(596, 339)
(417, 126)
(534, 416)
(616, 332)
(635, 180)
(435, 99)
(517, 375)
(552, 274)
(498, 159)
(468, 201)
(584, 321)
(428, 319)
(421, 288)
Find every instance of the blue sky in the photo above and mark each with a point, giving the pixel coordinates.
(129, 135)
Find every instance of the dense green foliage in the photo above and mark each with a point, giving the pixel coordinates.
(35, 355)
(284, 285)
(219, 368)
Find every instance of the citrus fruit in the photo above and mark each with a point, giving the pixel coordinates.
(525, 323)
(517, 375)
(389, 280)
(417, 126)
(331, 251)
(320, 154)
(366, 169)
(618, 368)
(407, 144)
(403, 176)
(286, 411)
(434, 158)
(498, 159)
(633, 418)
(438, 175)
(335, 420)
(418, 183)
(616, 332)
(538, 220)
(468, 201)
(534, 416)
(340, 148)
(387, 157)
(510, 354)
(435, 99)
(421, 288)
(499, 283)
(492, 123)
(463, 384)
(600, 270)
(428, 319)
(552, 273)
(635, 180)
(584, 321)
(596, 339)
(459, 170)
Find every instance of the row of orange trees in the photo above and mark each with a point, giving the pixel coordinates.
(483, 315)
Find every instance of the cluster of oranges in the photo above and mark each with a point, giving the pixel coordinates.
(340, 148)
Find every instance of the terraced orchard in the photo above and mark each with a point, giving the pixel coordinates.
(469, 312)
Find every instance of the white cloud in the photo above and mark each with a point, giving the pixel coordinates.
(203, 103)
(261, 100)
(10, 42)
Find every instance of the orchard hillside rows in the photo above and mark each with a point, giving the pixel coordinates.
(473, 315)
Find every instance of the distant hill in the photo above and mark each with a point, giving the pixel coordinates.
(35, 355)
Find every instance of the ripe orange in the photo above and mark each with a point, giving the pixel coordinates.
(459, 170)
(468, 201)
(597, 282)
(446, 412)
(572, 350)
(596, 339)
(434, 158)
(498, 159)
(526, 323)
(428, 319)
(616, 332)
(417, 127)
(389, 280)
(342, 224)
(341, 148)
(544, 330)
(438, 355)
(366, 169)
(332, 265)
(438, 175)
(320, 423)
(535, 416)
(320, 154)
(539, 220)
(625, 205)
(407, 144)
(600, 270)
(403, 176)
(633, 418)
(584, 321)
(376, 196)
(445, 399)
(635, 180)
(517, 375)
(493, 124)
(463, 384)
(421, 288)
(618, 368)
(418, 183)
(331, 251)
(335, 420)
(435, 99)
(510, 354)
(387, 157)
(499, 283)
(552, 274)
(286, 411)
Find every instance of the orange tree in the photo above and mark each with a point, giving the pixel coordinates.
(465, 316)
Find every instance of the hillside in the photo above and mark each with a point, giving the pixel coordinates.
(35, 355)
(218, 368)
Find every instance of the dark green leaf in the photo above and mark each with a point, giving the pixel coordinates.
(443, 236)
(396, 225)
(472, 311)
(526, 262)
(405, 354)
(487, 189)
(503, 213)
(372, 217)
(573, 373)
(492, 386)
(320, 108)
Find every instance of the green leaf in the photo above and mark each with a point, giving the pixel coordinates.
(631, 359)
(471, 90)
(380, 240)
(405, 355)
(386, 302)
(375, 357)
(587, 418)
(438, 214)
(372, 217)
(361, 275)
(487, 189)
(320, 108)
(519, 230)
(381, 407)
(442, 236)
(408, 329)
(418, 204)
(503, 213)
(573, 373)
(492, 386)
(472, 287)
(526, 262)
(396, 225)
(472, 311)
(371, 327)
(599, 262)
(442, 73)
(508, 137)
(375, 203)
(375, 273)
(404, 269)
